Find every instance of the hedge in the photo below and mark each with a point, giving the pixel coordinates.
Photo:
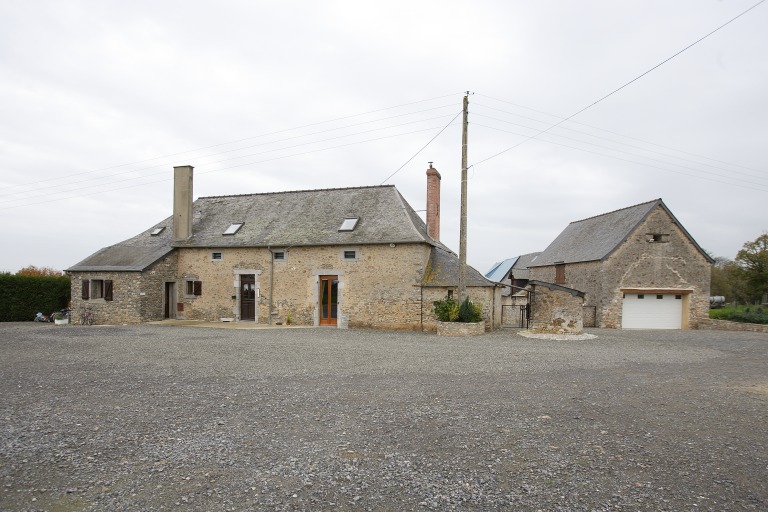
(22, 297)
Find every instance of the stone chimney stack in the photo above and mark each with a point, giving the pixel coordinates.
(182, 202)
(433, 203)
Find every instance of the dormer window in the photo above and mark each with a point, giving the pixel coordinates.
(157, 231)
(233, 228)
(349, 224)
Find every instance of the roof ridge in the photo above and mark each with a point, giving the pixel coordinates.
(296, 191)
(619, 210)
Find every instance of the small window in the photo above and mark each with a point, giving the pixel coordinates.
(678, 297)
(157, 231)
(450, 294)
(659, 296)
(279, 255)
(217, 256)
(350, 255)
(97, 289)
(232, 229)
(640, 296)
(192, 288)
(349, 224)
(657, 238)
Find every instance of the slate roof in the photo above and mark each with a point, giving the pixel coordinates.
(596, 238)
(443, 270)
(290, 219)
(132, 255)
(306, 218)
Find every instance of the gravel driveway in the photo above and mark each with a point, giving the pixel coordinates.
(154, 417)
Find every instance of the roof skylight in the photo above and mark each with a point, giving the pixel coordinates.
(349, 224)
(233, 228)
(157, 231)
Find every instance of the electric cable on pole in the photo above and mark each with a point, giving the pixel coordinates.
(463, 224)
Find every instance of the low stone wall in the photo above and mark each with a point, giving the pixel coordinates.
(460, 328)
(709, 324)
(555, 311)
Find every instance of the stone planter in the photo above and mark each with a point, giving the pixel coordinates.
(460, 328)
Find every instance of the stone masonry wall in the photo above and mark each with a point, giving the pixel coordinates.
(556, 312)
(137, 296)
(378, 289)
(674, 264)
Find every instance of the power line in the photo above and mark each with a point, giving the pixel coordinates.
(623, 86)
(746, 184)
(287, 130)
(422, 148)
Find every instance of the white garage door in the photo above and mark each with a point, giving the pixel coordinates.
(652, 311)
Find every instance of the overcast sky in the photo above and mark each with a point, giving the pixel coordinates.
(100, 99)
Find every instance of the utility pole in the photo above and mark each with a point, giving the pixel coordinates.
(463, 225)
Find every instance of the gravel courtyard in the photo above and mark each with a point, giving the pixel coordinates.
(155, 417)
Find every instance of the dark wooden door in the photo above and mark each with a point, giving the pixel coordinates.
(329, 299)
(247, 297)
(169, 300)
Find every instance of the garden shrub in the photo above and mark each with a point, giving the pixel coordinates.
(448, 310)
(22, 297)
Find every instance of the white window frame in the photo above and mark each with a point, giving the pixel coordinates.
(214, 253)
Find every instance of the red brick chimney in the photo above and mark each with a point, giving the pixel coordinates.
(433, 202)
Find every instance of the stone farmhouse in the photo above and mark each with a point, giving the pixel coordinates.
(348, 257)
(638, 268)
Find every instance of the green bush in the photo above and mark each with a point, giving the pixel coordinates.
(448, 310)
(747, 314)
(22, 297)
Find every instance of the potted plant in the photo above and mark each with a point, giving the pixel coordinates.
(60, 319)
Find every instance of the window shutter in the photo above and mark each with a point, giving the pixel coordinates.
(107, 289)
(86, 289)
(198, 287)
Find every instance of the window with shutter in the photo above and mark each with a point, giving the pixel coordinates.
(86, 289)
(198, 288)
(107, 289)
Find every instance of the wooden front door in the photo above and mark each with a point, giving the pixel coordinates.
(247, 297)
(329, 299)
(169, 300)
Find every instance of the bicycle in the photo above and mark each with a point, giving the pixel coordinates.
(86, 318)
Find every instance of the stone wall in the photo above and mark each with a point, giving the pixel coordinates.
(709, 324)
(555, 311)
(136, 296)
(380, 288)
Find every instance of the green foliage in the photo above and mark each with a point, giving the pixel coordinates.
(753, 261)
(448, 310)
(22, 297)
(469, 312)
(748, 314)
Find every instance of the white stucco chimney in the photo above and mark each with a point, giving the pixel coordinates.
(182, 202)
(433, 202)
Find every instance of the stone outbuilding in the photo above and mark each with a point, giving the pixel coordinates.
(357, 257)
(638, 268)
